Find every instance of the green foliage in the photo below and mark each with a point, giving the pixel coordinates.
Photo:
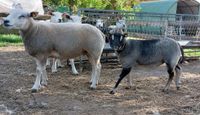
(121, 4)
(98, 4)
(195, 52)
(10, 39)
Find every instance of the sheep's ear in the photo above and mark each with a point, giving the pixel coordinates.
(66, 15)
(33, 14)
(125, 34)
(50, 13)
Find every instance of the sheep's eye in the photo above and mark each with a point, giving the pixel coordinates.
(59, 20)
(22, 16)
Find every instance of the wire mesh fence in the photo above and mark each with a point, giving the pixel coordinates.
(149, 25)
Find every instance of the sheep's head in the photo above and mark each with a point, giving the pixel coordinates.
(58, 17)
(117, 39)
(121, 23)
(99, 23)
(18, 18)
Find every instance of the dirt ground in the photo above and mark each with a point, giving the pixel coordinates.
(67, 94)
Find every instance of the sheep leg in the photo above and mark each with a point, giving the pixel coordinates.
(74, 71)
(129, 82)
(125, 71)
(59, 63)
(178, 70)
(54, 66)
(91, 62)
(48, 62)
(171, 75)
(96, 69)
(93, 77)
(39, 70)
(96, 75)
(44, 76)
(81, 64)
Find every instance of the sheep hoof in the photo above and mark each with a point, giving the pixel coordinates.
(61, 66)
(76, 74)
(34, 90)
(112, 92)
(44, 84)
(54, 71)
(178, 88)
(128, 87)
(48, 64)
(165, 91)
(92, 87)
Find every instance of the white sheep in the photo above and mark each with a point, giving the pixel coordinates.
(58, 17)
(72, 40)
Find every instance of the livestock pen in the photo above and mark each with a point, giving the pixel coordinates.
(68, 94)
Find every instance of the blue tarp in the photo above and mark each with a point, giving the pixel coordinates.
(160, 6)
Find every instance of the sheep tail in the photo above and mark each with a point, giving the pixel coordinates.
(182, 59)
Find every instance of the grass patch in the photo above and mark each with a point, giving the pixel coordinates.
(195, 52)
(10, 39)
(10, 44)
